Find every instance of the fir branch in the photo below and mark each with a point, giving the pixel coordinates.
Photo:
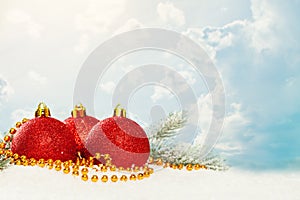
(170, 126)
(189, 154)
(164, 146)
(4, 163)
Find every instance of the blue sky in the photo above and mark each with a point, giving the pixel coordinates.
(254, 44)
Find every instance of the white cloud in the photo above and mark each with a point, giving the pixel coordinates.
(99, 16)
(35, 76)
(234, 131)
(108, 87)
(189, 76)
(235, 120)
(262, 28)
(5, 89)
(205, 112)
(129, 25)
(24, 21)
(83, 44)
(168, 13)
(214, 39)
(20, 114)
(159, 93)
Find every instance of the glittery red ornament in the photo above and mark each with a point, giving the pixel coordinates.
(123, 139)
(44, 137)
(80, 125)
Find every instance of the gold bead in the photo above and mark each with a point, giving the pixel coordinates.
(12, 131)
(151, 170)
(123, 178)
(25, 163)
(91, 158)
(24, 120)
(180, 166)
(66, 170)
(197, 166)
(16, 156)
(97, 156)
(189, 167)
(77, 162)
(104, 169)
(136, 169)
(104, 178)
(1, 152)
(57, 167)
(87, 163)
(41, 162)
(173, 166)
(114, 178)
(75, 173)
(84, 177)
(23, 157)
(50, 166)
(85, 171)
(49, 161)
(145, 168)
(7, 138)
(140, 176)
(94, 178)
(159, 162)
(166, 165)
(112, 168)
(128, 169)
(57, 162)
(83, 161)
(18, 162)
(132, 177)
(146, 174)
(2, 145)
(66, 164)
(32, 161)
(106, 156)
(150, 160)
(12, 161)
(18, 124)
(8, 153)
(108, 163)
(75, 167)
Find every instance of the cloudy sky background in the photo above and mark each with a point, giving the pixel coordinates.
(254, 44)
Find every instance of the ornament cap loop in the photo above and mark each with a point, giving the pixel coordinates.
(78, 111)
(121, 112)
(42, 110)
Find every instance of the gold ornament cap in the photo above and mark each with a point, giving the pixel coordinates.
(119, 112)
(42, 110)
(78, 111)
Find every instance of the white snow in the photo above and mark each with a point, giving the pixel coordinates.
(32, 183)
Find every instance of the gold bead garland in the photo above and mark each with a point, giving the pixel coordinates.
(82, 166)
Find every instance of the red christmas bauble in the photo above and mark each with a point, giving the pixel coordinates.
(80, 125)
(44, 137)
(123, 139)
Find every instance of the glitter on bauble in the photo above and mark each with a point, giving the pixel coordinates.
(44, 138)
(80, 125)
(123, 139)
